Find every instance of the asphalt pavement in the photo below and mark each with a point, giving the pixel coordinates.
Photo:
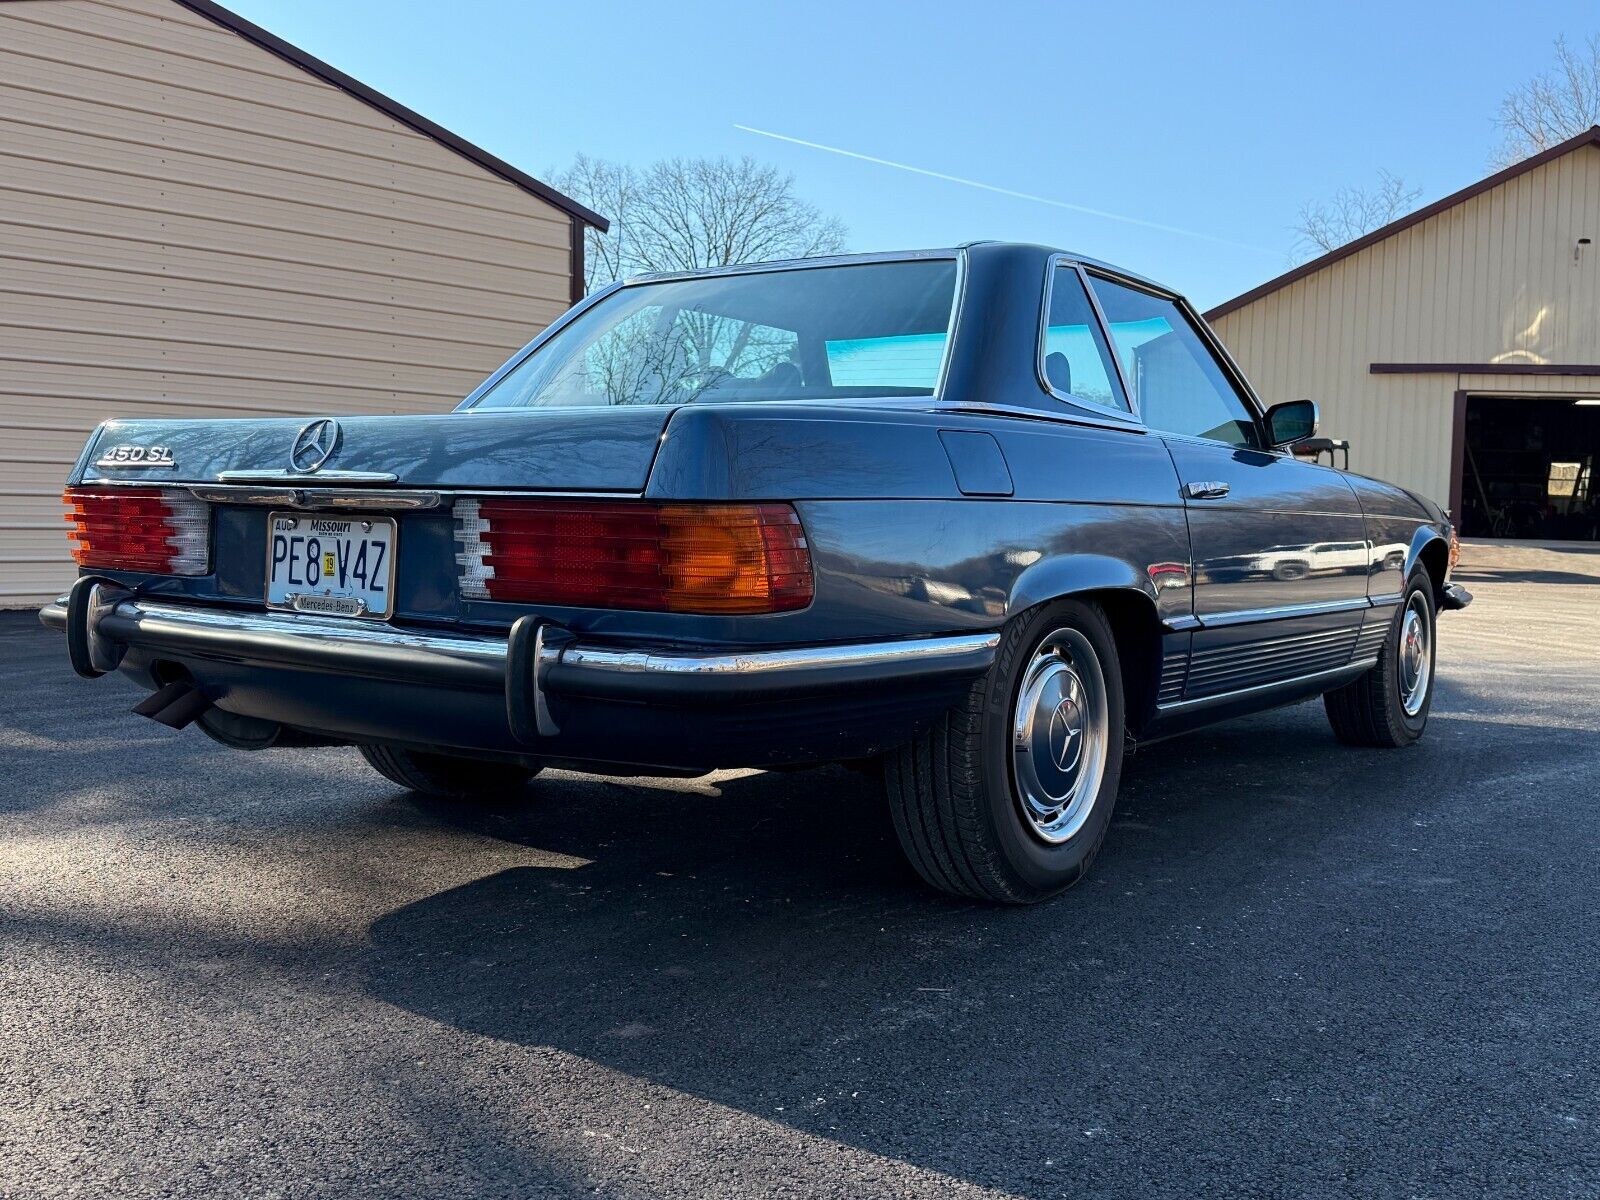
(1297, 969)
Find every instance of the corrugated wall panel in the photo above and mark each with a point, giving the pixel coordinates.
(95, 201)
(262, 335)
(65, 283)
(1491, 280)
(139, 251)
(190, 225)
(187, 125)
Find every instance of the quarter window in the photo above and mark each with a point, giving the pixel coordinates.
(1175, 379)
(1077, 363)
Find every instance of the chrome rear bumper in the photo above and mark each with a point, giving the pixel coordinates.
(105, 623)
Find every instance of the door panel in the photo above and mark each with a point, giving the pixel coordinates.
(1280, 566)
(1287, 533)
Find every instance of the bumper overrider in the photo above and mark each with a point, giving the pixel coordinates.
(538, 690)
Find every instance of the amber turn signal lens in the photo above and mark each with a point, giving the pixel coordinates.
(687, 558)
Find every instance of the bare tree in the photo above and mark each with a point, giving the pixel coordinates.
(608, 189)
(1552, 106)
(683, 213)
(1353, 211)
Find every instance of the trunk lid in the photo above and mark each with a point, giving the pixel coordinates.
(570, 450)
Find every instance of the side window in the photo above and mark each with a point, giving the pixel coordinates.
(1176, 381)
(1077, 362)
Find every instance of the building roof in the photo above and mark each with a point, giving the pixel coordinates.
(1590, 137)
(393, 108)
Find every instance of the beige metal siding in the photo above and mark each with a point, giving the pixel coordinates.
(1491, 280)
(190, 225)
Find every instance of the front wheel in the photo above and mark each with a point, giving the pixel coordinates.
(1008, 797)
(1388, 706)
(447, 775)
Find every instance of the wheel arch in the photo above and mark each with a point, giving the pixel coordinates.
(1127, 598)
(1431, 551)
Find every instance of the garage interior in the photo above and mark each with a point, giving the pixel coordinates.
(1528, 467)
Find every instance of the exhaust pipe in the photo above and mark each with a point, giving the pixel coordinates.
(176, 705)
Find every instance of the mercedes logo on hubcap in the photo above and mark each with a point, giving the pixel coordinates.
(1066, 734)
(314, 445)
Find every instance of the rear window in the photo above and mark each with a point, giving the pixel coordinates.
(860, 329)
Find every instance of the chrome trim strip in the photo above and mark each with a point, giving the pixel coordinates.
(1391, 598)
(281, 476)
(348, 498)
(1333, 674)
(286, 627)
(312, 499)
(952, 324)
(950, 651)
(1247, 616)
(865, 258)
(1096, 417)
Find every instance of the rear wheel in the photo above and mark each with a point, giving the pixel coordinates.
(448, 775)
(1010, 794)
(1388, 706)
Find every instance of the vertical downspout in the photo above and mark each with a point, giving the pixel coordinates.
(575, 260)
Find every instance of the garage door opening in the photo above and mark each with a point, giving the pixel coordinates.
(1528, 468)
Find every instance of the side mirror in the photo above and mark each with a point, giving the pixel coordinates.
(1290, 422)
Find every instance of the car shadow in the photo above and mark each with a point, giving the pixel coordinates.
(764, 946)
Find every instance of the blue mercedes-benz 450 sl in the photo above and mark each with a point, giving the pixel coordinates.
(984, 518)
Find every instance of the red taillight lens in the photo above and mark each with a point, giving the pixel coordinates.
(161, 530)
(688, 558)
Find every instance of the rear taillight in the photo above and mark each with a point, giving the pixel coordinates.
(687, 558)
(160, 530)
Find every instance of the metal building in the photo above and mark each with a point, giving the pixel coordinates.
(197, 218)
(1457, 349)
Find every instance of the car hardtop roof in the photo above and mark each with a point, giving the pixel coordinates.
(835, 260)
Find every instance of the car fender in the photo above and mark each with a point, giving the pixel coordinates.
(1420, 540)
(1067, 575)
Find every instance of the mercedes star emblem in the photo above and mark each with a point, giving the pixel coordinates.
(314, 445)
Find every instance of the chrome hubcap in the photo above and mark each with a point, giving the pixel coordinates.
(1416, 657)
(1058, 736)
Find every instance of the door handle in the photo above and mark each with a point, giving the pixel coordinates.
(1207, 489)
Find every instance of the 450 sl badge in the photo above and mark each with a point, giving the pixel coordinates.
(136, 456)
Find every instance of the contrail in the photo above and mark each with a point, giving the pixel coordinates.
(989, 187)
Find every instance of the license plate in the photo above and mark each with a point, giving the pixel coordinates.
(342, 566)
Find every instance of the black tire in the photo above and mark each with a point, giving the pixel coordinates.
(1371, 710)
(447, 775)
(953, 791)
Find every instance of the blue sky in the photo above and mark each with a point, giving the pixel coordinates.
(1218, 120)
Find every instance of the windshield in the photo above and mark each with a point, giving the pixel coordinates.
(861, 329)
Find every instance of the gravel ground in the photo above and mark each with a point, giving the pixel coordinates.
(1297, 969)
